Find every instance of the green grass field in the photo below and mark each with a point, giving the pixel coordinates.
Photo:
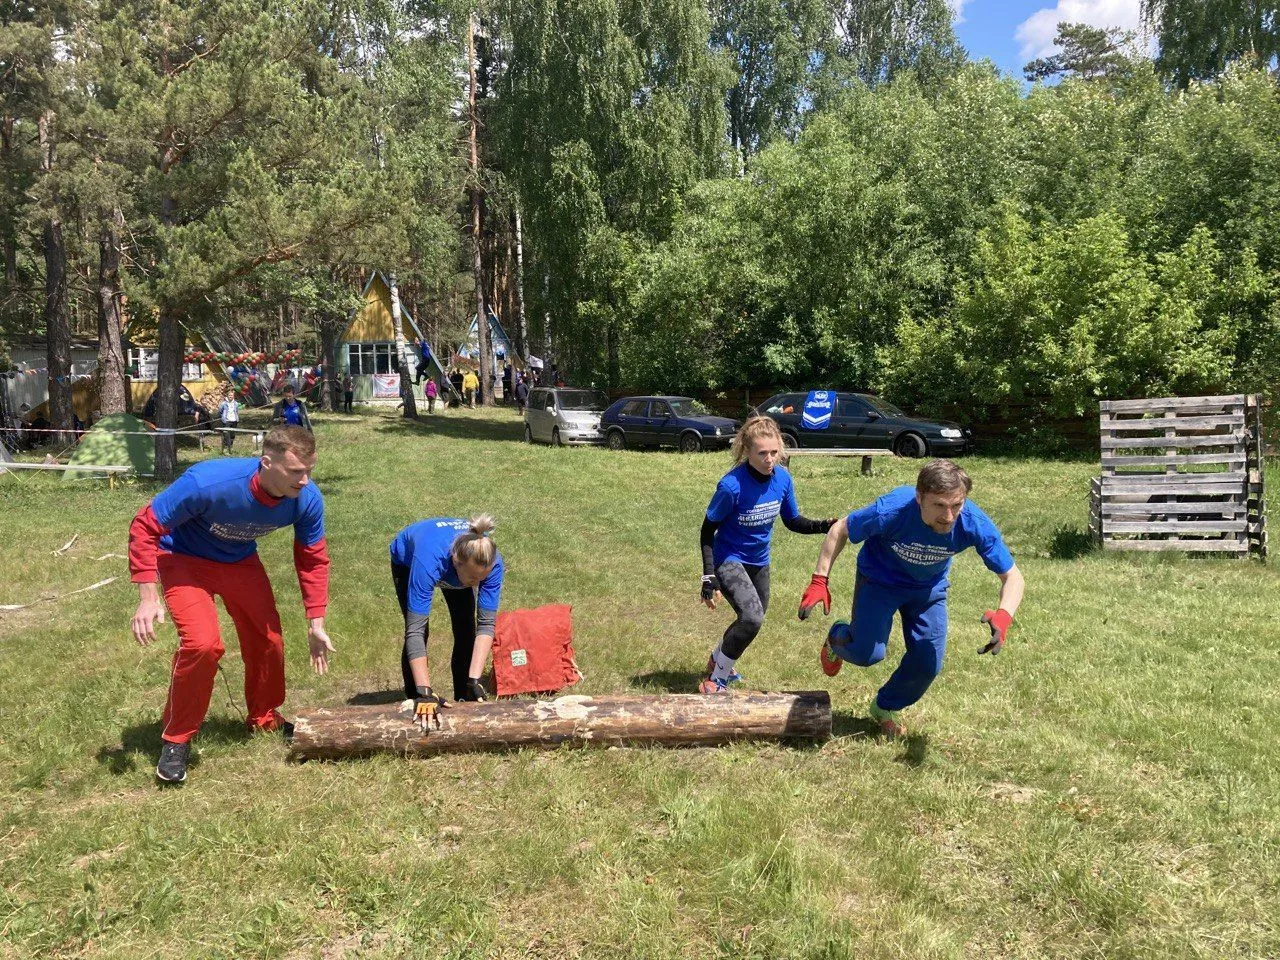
(1108, 787)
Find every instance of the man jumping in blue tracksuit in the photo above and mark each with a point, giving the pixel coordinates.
(909, 537)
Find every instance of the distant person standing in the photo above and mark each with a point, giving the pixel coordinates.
(455, 378)
(424, 358)
(290, 410)
(508, 383)
(470, 384)
(522, 393)
(431, 391)
(348, 391)
(229, 414)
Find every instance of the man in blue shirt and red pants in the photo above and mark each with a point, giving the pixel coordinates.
(909, 537)
(199, 538)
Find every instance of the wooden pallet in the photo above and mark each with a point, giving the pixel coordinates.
(1180, 473)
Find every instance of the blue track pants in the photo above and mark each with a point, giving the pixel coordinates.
(924, 629)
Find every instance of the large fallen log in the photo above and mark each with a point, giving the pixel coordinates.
(673, 720)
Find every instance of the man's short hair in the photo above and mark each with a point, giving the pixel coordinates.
(287, 388)
(288, 437)
(943, 476)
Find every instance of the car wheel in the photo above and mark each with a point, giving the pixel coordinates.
(616, 440)
(790, 442)
(911, 445)
(555, 438)
(690, 443)
(528, 434)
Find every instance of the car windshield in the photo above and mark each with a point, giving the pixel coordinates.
(689, 408)
(884, 406)
(592, 400)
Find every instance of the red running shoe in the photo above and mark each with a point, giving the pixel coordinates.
(831, 663)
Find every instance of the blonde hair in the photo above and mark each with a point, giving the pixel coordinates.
(475, 547)
(756, 427)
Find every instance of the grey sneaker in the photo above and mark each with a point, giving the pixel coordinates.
(172, 767)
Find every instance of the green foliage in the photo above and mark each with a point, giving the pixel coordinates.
(962, 245)
(1200, 38)
(1055, 321)
(1087, 52)
(606, 113)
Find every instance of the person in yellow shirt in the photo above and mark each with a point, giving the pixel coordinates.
(470, 384)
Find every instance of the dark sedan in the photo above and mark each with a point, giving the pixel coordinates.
(679, 422)
(861, 420)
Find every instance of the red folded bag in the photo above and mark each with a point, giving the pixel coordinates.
(533, 650)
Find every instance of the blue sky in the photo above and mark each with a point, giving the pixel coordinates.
(1011, 32)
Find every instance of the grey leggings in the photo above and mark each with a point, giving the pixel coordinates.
(746, 587)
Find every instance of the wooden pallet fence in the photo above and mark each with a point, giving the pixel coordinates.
(1256, 506)
(1180, 473)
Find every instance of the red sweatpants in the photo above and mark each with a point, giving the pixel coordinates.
(190, 584)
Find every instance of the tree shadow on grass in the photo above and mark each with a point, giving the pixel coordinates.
(1070, 543)
(667, 681)
(140, 743)
(376, 698)
(457, 426)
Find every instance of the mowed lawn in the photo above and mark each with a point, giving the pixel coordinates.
(1108, 787)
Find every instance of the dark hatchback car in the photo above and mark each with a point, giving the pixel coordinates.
(679, 422)
(861, 420)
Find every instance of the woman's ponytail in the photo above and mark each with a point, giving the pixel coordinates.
(475, 547)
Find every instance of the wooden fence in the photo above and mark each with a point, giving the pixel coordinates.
(1181, 473)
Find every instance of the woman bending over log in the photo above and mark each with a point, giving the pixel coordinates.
(459, 557)
(735, 541)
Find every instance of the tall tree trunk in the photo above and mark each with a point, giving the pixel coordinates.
(172, 340)
(406, 383)
(169, 365)
(612, 366)
(8, 226)
(331, 328)
(477, 201)
(111, 387)
(524, 323)
(57, 321)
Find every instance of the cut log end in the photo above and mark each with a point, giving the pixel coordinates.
(672, 720)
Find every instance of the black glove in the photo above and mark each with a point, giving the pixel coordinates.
(475, 691)
(710, 587)
(426, 708)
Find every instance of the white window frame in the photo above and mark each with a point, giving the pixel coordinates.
(366, 357)
(146, 360)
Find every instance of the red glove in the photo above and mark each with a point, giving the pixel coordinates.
(816, 593)
(999, 621)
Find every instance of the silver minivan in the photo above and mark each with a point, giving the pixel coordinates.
(564, 415)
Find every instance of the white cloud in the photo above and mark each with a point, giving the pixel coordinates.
(1035, 34)
(957, 10)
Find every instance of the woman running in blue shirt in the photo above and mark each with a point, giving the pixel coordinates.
(457, 556)
(735, 541)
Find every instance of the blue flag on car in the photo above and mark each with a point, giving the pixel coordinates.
(817, 410)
